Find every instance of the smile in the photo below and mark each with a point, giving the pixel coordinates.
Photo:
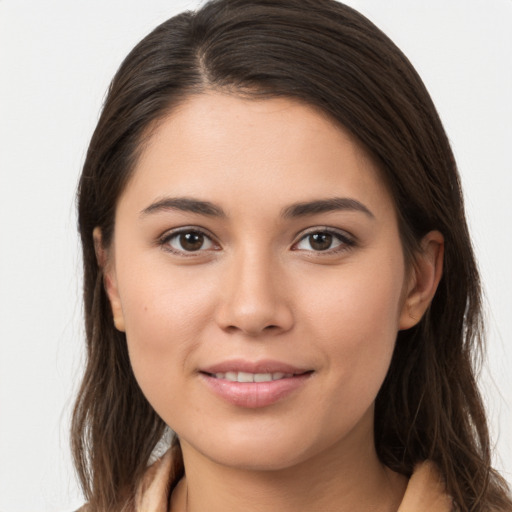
(254, 385)
(252, 377)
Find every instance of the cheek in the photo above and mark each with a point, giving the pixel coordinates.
(165, 315)
(365, 295)
(356, 319)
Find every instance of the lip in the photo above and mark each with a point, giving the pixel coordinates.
(253, 395)
(263, 366)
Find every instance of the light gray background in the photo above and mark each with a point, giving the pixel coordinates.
(56, 60)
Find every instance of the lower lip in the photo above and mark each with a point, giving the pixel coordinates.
(253, 395)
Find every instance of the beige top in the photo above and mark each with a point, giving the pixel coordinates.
(425, 491)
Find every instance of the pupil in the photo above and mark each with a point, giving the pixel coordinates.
(191, 241)
(321, 241)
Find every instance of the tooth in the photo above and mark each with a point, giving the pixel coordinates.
(262, 377)
(252, 377)
(245, 377)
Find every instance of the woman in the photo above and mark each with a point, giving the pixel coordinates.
(277, 267)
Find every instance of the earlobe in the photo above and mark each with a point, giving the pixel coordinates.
(426, 274)
(109, 279)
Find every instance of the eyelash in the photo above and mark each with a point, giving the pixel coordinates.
(165, 240)
(346, 242)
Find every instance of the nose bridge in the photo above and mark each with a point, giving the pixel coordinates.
(253, 298)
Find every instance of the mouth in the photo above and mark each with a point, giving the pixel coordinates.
(243, 368)
(254, 385)
(235, 376)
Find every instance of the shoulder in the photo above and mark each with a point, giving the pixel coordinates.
(426, 491)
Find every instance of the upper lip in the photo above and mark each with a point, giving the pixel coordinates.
(263, 366)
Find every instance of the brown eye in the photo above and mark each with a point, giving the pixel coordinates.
(191, 241)
(187, 242)
(325, 241)
(320, 241)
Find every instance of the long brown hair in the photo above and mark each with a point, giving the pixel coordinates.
(328, 55)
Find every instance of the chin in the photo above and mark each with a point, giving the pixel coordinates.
(255, 451)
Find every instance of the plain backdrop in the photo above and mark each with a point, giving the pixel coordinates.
(56, 60)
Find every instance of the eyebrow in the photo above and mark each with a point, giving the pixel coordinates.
(325, 205)
(303, 209)
(184, 204)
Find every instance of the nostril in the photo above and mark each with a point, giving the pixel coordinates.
(253, 314)
(253, 330)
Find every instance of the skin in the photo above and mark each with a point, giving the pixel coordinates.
(258, 288)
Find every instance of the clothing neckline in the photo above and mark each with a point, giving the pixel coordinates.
(425, 491)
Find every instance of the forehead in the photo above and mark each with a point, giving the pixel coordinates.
(216, 121)
(214, 141)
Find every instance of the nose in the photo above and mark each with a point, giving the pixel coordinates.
(254, 297)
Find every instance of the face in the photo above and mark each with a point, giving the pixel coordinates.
(258, 273)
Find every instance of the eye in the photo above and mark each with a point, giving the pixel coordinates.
(324, 241)
(187, 241)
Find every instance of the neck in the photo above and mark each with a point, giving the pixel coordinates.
(342, 478)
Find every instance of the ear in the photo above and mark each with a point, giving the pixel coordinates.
(425, 276)
(109, 279)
